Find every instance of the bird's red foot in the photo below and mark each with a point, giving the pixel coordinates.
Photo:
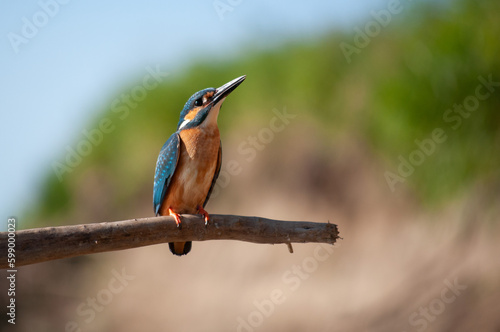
(205, 214)
(176, 216)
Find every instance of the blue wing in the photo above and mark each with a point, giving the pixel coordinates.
(165, 168)
(216, 175)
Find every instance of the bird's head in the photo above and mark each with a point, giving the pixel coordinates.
(203, 107)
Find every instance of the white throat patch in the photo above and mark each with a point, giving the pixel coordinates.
(184, 123)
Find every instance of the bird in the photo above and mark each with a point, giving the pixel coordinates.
(190, 160)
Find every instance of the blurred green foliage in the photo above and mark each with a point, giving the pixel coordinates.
(394, 91)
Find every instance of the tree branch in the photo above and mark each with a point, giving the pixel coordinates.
(49, 243)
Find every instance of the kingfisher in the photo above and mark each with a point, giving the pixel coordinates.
(189, 162)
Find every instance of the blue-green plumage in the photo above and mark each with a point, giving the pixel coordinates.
(165, 168)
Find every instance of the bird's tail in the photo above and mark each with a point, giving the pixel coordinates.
(180, 248)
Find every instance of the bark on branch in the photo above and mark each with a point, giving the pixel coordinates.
(49, 243)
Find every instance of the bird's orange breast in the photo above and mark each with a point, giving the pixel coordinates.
(193, 176)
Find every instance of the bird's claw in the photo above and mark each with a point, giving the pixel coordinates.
(177, 218)
(205, 214)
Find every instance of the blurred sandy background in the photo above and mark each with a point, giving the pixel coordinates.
(418, 255)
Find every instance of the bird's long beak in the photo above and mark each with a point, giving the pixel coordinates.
(223, 91)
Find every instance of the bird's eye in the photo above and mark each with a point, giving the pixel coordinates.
(198, 102)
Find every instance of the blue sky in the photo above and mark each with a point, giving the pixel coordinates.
(84, 52)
